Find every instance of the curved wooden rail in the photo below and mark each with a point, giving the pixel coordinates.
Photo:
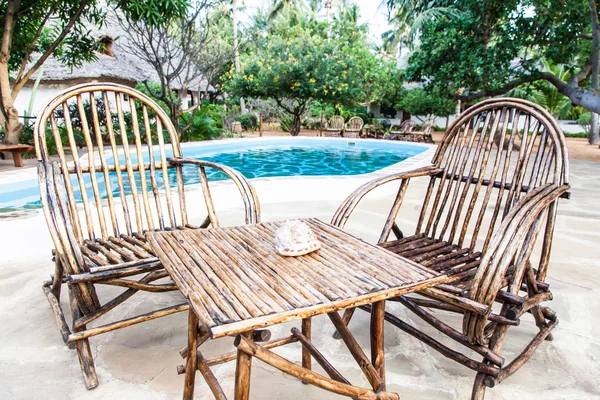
(514, 240)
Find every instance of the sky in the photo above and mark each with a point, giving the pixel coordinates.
(372, 12)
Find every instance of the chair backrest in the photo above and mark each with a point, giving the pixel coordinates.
(125, 180)
(491, 155)
(407, 126)
(125, 139)
(354, 124)
(428, 126)
(336, 122)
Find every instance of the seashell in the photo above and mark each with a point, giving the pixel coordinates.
(295, 238)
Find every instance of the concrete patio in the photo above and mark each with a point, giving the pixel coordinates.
(140, 362)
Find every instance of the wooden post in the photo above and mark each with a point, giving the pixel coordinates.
(242, 371)
(260, 131)
(321, 125)
(377, 327)
(192, 356)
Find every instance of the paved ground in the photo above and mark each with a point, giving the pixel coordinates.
(139, 362)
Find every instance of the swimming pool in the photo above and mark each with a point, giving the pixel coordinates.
(260, 158)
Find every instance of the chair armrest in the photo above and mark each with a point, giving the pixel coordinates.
(249, 196)
(349, 204)
(512, 244)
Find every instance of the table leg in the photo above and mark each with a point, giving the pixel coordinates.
(306, 331)
(377, 350)
(192, 360)
(17, 159)
(242, 372)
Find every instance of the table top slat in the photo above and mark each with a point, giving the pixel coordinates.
(235, 280)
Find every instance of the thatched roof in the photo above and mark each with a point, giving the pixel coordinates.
(122, 66)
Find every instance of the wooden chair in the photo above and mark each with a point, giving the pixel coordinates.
(335, 126)
(426, 131)
(405, 127)
(99, 205)
(353, 127)
(484, 209)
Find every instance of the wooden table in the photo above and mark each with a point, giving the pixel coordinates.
(237, 285)
(16, 150)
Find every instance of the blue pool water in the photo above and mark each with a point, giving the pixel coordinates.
(257, 159)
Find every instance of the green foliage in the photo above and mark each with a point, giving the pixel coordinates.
(203, 126)
(317, 108)
(299, 64)
(248, 121)
(410, 17)
(585, 121)
(421, 102)
(474, 51)
(386, 86)
(79, 45)
(207, 122)
(285, 122)
(546, 95)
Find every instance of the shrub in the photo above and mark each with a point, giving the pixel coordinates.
(248, 121)
(203, 127)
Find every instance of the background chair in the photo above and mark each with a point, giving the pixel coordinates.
(120, 173)
(335, 126)
(485, 207)
(405, 127)
(353, 127)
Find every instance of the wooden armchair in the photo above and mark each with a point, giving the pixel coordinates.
(353, 127)
(99, 205)
(484, 209)
(405, 127)
(335, 126)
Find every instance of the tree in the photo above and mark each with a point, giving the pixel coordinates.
(546, 95)
(34, 30)
(185, 55)
(491, 47)
(410, 17)
(420, 102)
(296, 66)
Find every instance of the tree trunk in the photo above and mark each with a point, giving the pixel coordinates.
(237, 50)
(594, 137)
(296, 124)
(12, 127)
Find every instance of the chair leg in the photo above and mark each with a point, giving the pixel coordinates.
(84, 352)
(57, 281)
(348, 313)
(479, 387)
(86, 362)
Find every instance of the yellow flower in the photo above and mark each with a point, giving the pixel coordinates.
(276, 79)
(297, 84)
(325, 91)
(312, 80)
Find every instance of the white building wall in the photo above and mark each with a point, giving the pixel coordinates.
(43, 95)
